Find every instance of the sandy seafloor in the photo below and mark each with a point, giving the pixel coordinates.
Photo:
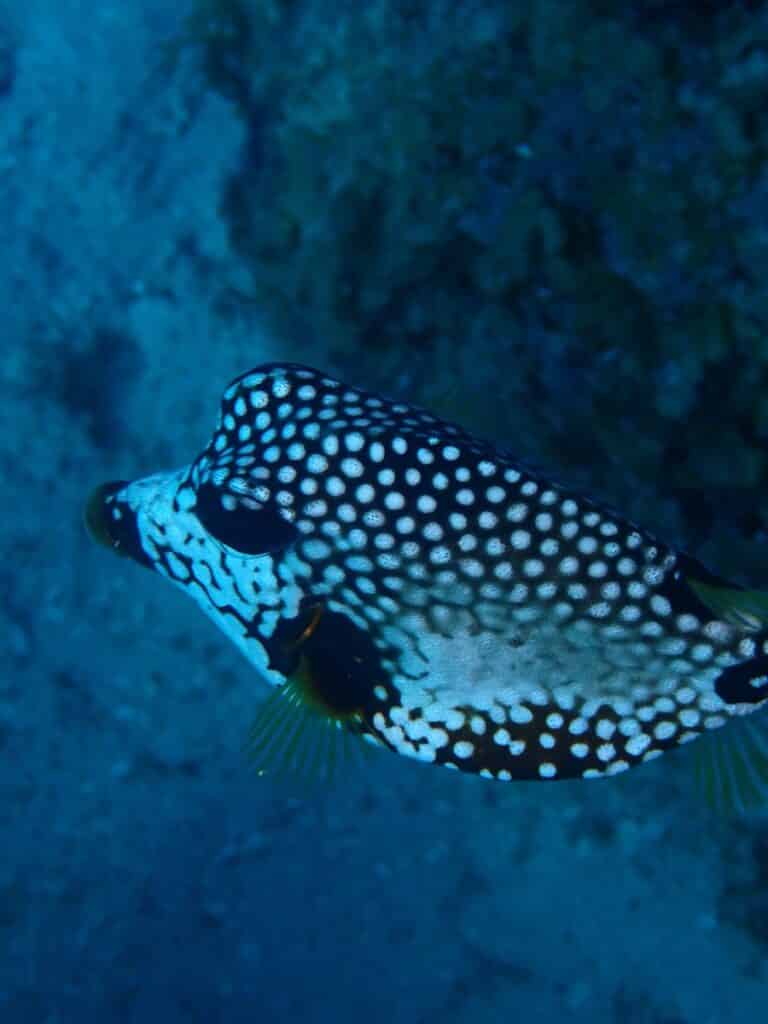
(145, 874)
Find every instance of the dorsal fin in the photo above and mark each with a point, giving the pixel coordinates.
(745, 609)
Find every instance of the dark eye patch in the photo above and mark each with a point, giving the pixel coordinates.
(250, 531)
(746, 683)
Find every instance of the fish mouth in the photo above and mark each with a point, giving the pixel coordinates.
(98, 523)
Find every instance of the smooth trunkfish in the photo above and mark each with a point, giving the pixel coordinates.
(396, 579)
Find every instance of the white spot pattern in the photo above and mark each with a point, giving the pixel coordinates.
(523, 615)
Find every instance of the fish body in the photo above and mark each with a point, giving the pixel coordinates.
(417, 586)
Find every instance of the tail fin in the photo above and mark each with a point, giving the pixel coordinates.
(732, 765)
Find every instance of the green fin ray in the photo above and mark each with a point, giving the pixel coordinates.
(744, 609)
(293, 738)
(732, 766)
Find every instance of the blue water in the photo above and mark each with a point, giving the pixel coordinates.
(145, 874)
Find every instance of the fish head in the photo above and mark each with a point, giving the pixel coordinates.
(281, 530)
(221, 549)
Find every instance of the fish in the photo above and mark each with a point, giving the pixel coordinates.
(400, 583)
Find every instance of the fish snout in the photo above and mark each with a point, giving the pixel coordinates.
(111, 522)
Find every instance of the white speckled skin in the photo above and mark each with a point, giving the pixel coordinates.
(520, 631)
(228, 586)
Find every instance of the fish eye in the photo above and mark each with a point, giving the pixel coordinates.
(249, 531)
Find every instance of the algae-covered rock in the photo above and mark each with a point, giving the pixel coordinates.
(559, 205)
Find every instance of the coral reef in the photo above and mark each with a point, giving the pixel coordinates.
(544, 218)
(550, 226)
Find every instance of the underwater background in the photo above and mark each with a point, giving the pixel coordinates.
(546, 220)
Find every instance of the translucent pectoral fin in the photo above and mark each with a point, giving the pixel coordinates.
(295, 737)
